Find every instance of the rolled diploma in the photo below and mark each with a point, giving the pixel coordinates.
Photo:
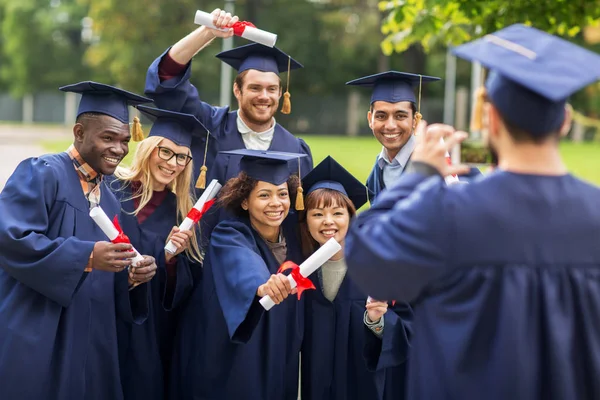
(250, 33)
(109, 229)
(209, 193)
(309, 266)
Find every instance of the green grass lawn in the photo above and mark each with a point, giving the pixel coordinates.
(357, 154)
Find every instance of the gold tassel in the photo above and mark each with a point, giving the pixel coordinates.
(201, 181)
(137, 133)
(300, 199)
(300, 191)
(418, 115)
(418, 118)
(286, 108)
(477, 117)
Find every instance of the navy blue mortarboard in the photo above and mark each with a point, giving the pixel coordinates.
(105, 99)
(532, 73)
(259, 57)
(393, 86)
(329, 174)
(265, 59)
(177, 127)
(264, 165)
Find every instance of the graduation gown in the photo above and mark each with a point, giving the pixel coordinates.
(58, 335)
(235, 349)
(387, 356)
(507, 298)
(178, 94)
(337, 344)
(376, 185)
(145, 350)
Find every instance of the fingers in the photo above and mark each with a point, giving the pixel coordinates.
(284, 283)
(181, 239)
(455, 138)
(173, 231)
(278, 288)
(146, 262)
(421, 128)
(223, 19)
(377, 309)
(142, 274)
(120, 247)
(460, 169)
(374, 304)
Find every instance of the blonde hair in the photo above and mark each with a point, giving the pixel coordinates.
(180, 186)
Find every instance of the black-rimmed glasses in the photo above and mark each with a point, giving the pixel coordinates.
(166, 154)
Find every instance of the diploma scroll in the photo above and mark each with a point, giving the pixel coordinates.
(197, 211)
(109, 229)
(241, 28)
(312, 263)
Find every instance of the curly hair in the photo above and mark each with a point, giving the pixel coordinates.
(238, 189)
(322, 198)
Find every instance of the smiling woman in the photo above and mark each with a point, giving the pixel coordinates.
(241, 266)
(336, 312)
(156, 194)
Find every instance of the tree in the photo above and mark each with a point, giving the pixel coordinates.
(40, 46)
(433, 22)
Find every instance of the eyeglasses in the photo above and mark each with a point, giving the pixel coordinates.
(166, 154)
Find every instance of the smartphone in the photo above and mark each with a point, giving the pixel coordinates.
(474, 153)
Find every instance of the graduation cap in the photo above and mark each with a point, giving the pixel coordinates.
(179, 128)
(329, 174)
(265, 59)
(105, 99)
(269, 166)
(532, 73)
(394, 86)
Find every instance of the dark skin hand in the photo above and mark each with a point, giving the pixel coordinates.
(143, 272)
(112, 257)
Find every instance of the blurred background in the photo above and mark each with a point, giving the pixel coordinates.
(45, 44)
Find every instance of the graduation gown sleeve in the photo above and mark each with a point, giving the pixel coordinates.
(401, 243)
(239, 273)
(132, 305)
(375, 182)
(391, 350)
(178, 94)
(51, 267)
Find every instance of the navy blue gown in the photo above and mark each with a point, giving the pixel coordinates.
(235, 349)
(146, 350)
(333, 351)
(504, 275)
(58, 334)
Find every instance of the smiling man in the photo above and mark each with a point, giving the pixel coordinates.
(61, 284)
(391, 117)
(257, 89)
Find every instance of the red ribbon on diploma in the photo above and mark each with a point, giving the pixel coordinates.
(121, 238)
(302, 283)
(240, 26)
(196, 214)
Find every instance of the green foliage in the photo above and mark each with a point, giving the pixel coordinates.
(446, 22)
(40, 46)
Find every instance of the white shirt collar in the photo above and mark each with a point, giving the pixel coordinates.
(402, 156)
(244, 130)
